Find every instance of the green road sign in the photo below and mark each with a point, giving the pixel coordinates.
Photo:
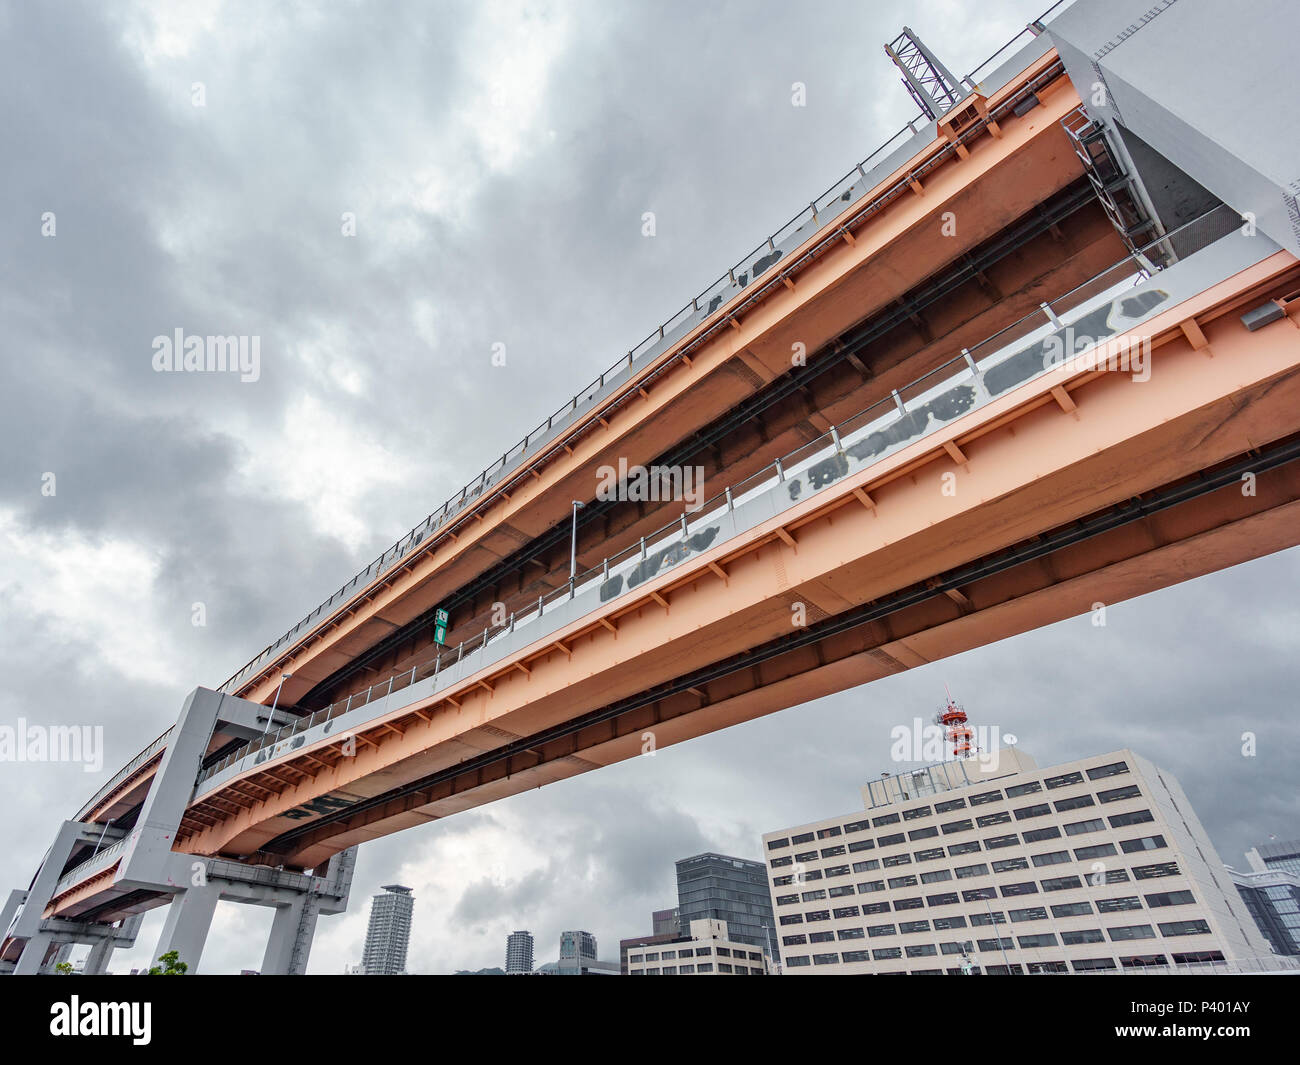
(440, 616)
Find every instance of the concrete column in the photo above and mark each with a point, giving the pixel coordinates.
(32, 959)
(98, 958)
(186, 929)
(284, 933)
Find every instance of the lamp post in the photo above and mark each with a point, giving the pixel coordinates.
(275, 702)
(573, 548)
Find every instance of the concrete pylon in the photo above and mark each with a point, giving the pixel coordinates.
(278, 958)
(186, 929)
(32, 959)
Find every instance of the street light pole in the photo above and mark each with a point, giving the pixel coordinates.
(573, 547)
(275, 702)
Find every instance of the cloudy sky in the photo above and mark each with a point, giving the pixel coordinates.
(497, 159)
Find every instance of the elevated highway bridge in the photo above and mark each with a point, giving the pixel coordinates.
(1021, 361)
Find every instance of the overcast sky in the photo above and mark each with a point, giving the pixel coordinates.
(498, 159)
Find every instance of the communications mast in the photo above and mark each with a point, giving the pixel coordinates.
(953, 719)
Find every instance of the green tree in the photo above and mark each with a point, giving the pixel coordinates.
(171, 965)
(64, 968)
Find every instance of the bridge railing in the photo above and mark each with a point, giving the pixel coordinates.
(123, 773)
(821, 212)
(905, 403)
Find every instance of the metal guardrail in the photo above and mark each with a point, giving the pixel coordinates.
(820, 212)
(96, 862)
(1199, 232)
(123, 773)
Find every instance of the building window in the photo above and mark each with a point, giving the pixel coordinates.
(806, 856)
(1099, 850)
(929, 855)
(1006, 865)
(985, 797)
(976, 894)
(965, 872)
(794, 941)
(1062, 883)
(1130, 931)
(1076, 803)
(1064, 780)
(983, 920)
(875, 907)
(897, 859)
(1038, 939)
(871, 885)
(1079, 828)
(1125, 902)
(994, 842)
(902, 881)
(922, 833)
(803, 837)
(1018, 790)
(1139, 961)
(826, 959)
(817, 915)
(946, 898)
(1196, 957)
(832, 852)
(836, 870)
(1135, 817)
(887, 953)
(1087, 935)
(792, 918)
(914, 903)
(1112, 770)
(915, 813)
(1185, 928)
(1051, 858)
(1002, 943)
(862, 845)
(851, 933)
(913, 926)
(1169, 898)
(921, 950)
(826, 833)
(948, 806)
(1145, 843)
(813, 896)
(936, 877)
(786, 900)
(891, 839)
(840, 892)
(818, 937)
(989, 820)
(857, 826)
(963, 848)
(1150, 872)
(1047, 967)
(1071, 909)
(1027, 887)
(877, 930)
(943, 924)
(1129, 791)
(688, 969)
(777, 844)
(867, 866)
(1040, 809)
(802, 959)
(885, 819)
(1083, 965)
(1029, 913)
(782, 881)
(1038, 835)
(851, 956)
(964, 825)
(846, 911)
(777, 863)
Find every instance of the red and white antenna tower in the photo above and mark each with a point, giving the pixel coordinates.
(953, 718)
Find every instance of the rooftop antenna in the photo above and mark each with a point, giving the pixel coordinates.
(931, 84)
(953, 719)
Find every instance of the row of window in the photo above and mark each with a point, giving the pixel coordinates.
(703, 967)
(1074, 937)
(1028, 913)
(980, 799)
(1024, 813)
(949, 898)
(696, 952)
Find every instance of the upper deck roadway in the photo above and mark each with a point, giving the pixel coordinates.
(929, 479)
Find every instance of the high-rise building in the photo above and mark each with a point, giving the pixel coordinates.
(707, 949)
(519, 952)
(992, 864)
(1283, 855)
(662, 921)
(721, 888)
(666, 929)
(389, 933)
(1273, 899)
(578, 957)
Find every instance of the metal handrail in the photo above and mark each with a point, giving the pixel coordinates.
(834, 200)
(1217, 221)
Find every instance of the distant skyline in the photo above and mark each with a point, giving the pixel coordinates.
(497, 159)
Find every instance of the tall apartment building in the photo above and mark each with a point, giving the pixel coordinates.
(708, 949)
(389, 932)
(1098, 864)
(578, 957)
(721, 888)
(519, 953)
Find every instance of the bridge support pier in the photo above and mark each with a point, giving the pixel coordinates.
(186, 929)
(284, 934)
